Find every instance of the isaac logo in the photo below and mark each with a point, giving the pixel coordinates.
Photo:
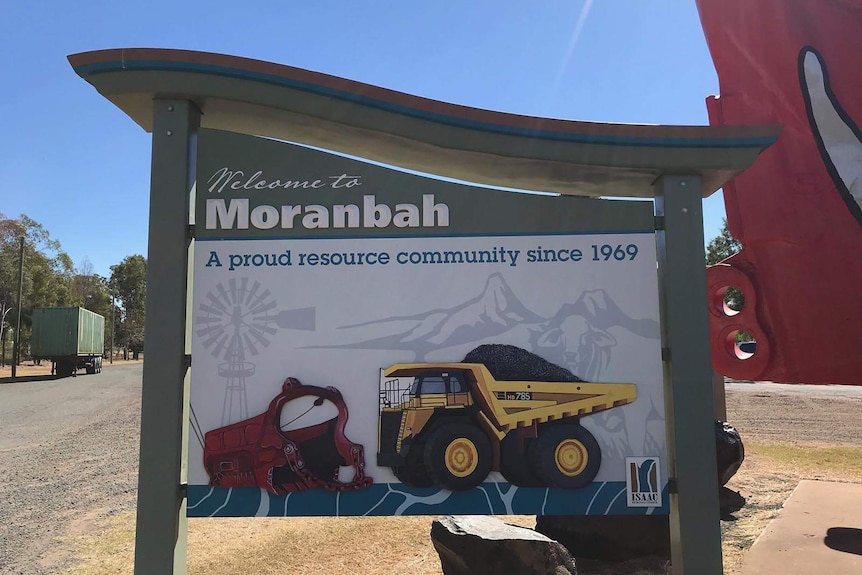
(643, 482)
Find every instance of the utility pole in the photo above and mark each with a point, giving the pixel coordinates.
(111, 359)
(16, 348)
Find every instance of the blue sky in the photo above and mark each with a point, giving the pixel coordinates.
(72, 161)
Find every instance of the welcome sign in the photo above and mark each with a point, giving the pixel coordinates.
(372, 342)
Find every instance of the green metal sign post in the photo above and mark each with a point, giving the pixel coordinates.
(694, 517)
(160, 544)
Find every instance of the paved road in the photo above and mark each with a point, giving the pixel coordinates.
(68, 455)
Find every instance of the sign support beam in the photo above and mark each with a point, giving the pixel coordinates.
(160, 540)
(694, 517)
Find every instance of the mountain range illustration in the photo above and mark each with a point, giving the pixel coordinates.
(495, 311)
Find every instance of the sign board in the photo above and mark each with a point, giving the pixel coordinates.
(373, 342)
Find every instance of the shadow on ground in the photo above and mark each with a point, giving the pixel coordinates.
(846, 539)
(30, 378)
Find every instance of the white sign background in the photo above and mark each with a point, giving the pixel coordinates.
(614, 345)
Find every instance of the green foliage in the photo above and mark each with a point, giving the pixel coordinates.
(48, 272)
(129, 279)
(51, 280)
(90, 290)
(722, 246)
(719, 249)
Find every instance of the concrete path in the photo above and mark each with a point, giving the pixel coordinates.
(818, 532)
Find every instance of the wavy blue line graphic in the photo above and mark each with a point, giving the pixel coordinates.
(205, 497)
(599, 498)
(226, 501)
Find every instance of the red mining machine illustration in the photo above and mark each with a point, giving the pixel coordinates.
(259, 452)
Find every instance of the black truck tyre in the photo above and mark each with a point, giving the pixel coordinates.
(514, 464)
(413, 472)
(458, 456)
(565, 456)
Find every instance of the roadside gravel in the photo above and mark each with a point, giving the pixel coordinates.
(796, 413)
(68, 457)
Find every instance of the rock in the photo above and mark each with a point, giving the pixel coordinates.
(475, 545)
(729, 451)
(729, 501)
(609, 538)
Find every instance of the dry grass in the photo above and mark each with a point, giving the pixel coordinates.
(269, 546)
(767, 478)
(106, 550)
(385, 545)
(813, 460)
(312, 545)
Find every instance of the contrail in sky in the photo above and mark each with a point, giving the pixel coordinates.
(576, 33)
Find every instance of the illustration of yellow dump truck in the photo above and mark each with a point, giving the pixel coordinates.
(454, 424)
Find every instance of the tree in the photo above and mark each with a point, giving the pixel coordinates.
(719, 249)
(722, 246)
(129, 279)
(90, 290)
(48, 272)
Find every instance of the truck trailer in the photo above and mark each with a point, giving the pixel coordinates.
(72, 338)
(455, 423)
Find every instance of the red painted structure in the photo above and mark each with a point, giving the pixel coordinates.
(796, 211)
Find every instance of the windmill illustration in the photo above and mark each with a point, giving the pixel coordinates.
(236, 322)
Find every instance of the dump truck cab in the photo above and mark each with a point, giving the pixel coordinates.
(438, 388)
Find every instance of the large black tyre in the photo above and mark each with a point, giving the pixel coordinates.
(514, 464)
(458, 456)
(413, 472)
(565, 455)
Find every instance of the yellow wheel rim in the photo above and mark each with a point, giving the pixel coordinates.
(571, 457)
(461, 457)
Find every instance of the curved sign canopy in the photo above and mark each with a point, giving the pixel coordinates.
(494, 148)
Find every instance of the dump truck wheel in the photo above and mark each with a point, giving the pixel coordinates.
(414, 472)
(458, 456)
(514, 464)
(566, 456)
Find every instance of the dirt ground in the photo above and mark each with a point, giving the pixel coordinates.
(785, 415)
(68, 463)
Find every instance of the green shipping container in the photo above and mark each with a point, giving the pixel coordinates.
(66, 331)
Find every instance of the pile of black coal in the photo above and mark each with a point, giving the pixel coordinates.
(511, 363)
